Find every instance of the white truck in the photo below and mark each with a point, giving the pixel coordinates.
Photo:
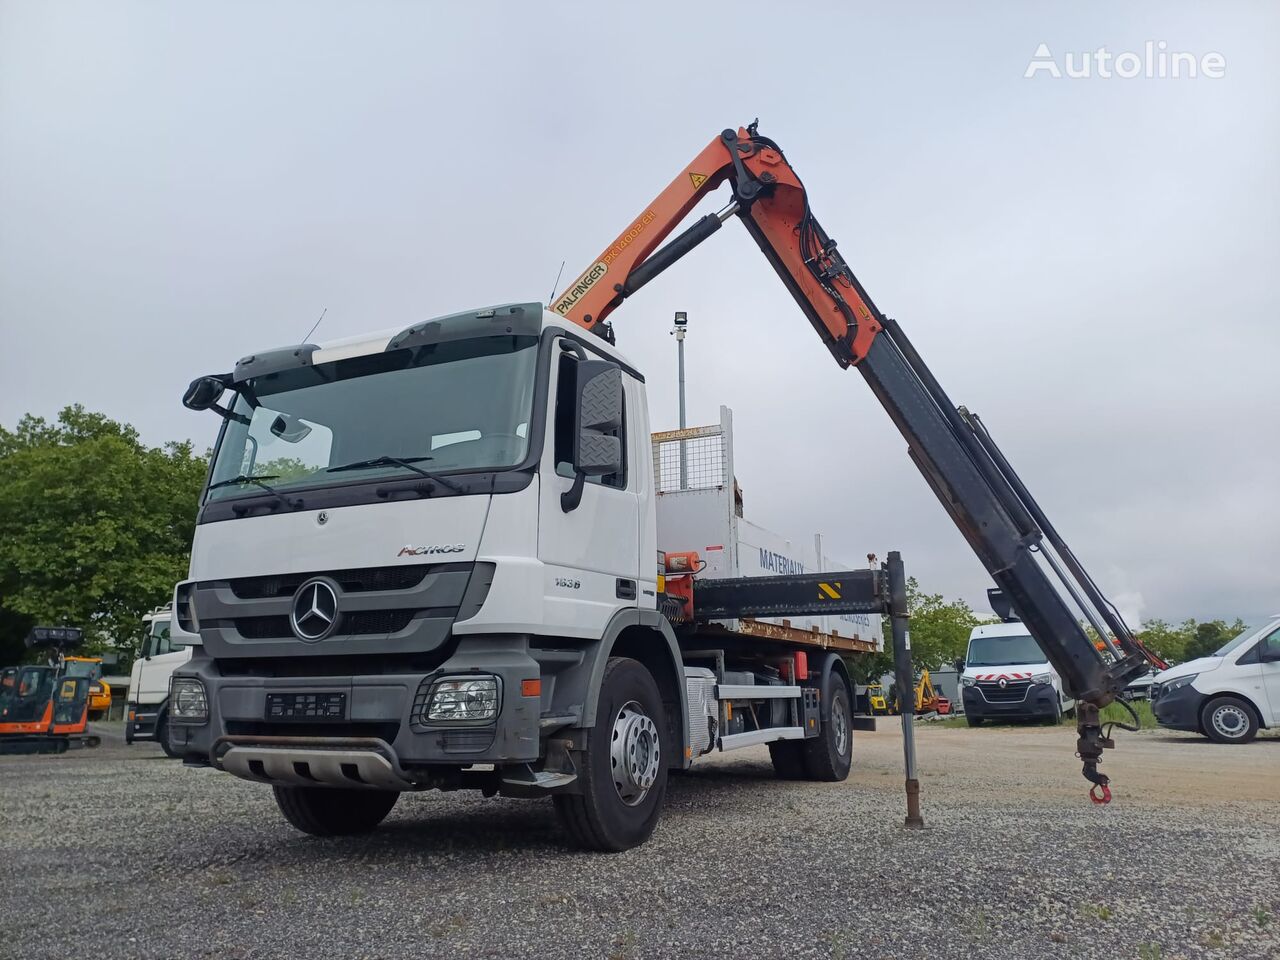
(147, 709)
(430, 558)
(1006, 676)
(413, 569)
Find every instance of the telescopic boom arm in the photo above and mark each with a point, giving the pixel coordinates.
(952, 448)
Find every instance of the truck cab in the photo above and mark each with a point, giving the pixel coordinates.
(1006, 676)
(147, 710)
(1229, 695)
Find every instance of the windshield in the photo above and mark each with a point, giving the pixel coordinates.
(454, 406)
(90, 670)
(1241, 639)
(1003, 651)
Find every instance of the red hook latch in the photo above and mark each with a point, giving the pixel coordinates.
(1100, 793)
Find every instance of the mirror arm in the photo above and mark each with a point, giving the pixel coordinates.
(227, 413)
(570, 499)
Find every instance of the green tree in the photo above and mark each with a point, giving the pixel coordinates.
(1190, 639)
(95, 526)
(939, 634)
(1164, 639)
(1209, 635)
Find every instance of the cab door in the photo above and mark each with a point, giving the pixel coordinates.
(590, 554)
(157, 663)
(1269, 660)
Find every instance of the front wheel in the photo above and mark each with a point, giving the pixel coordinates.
(829, 755)
(973, 721)
(623, 777)
(333, 811)
(1227, 720)
(162, 737)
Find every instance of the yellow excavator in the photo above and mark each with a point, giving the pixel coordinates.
(928, 700)
(877, 700)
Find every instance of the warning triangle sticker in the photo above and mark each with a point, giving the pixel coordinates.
(698, 179)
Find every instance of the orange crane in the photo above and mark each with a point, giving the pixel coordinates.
(1029, 561)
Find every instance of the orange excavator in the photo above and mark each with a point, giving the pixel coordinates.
(43, 708)
(1034, 569)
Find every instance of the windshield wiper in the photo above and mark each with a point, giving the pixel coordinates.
(409, 463)
(257, 481)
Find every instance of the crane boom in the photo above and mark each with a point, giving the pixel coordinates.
(1025, 556)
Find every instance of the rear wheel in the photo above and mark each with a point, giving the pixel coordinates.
(623, 776)
(1228, 720)
(829, 755)
(331, 811)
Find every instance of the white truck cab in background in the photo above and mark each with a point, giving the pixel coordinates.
(1226, 696)
(146, 717)
(1006, 676)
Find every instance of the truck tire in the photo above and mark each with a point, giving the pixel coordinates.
(162, 737)
(972, 720)
(332, 811)
(829, 755)
(623, 776)
(788, 759)
(1228, 720)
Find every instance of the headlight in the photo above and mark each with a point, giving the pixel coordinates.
(1042, 678)
(187, 700)
(968, 681)
(463, 698)
(1171, 685)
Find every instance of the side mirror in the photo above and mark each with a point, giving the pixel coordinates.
(958, 663)
(203, 393)
(597, 415)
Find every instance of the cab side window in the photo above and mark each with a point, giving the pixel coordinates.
(564, 427)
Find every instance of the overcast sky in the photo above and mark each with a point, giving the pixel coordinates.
(1091, 264)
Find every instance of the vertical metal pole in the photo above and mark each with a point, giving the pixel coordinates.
(680, 322)
(904, 677)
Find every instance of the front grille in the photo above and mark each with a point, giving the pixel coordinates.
(1015, 692)
(360, 624)
(359, 580)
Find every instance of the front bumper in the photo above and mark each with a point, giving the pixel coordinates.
(140, 722)
(1041, 701)
(380, 719)
(1179, 710)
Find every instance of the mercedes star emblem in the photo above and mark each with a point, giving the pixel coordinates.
(315, 611)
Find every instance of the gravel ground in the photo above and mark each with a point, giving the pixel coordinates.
(120, 853)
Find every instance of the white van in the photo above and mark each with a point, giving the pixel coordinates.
(1006, 676)
(147, 716)
(1226, 696)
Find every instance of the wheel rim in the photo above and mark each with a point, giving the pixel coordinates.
(1230, 721)
(634, 753)
(839, 725)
